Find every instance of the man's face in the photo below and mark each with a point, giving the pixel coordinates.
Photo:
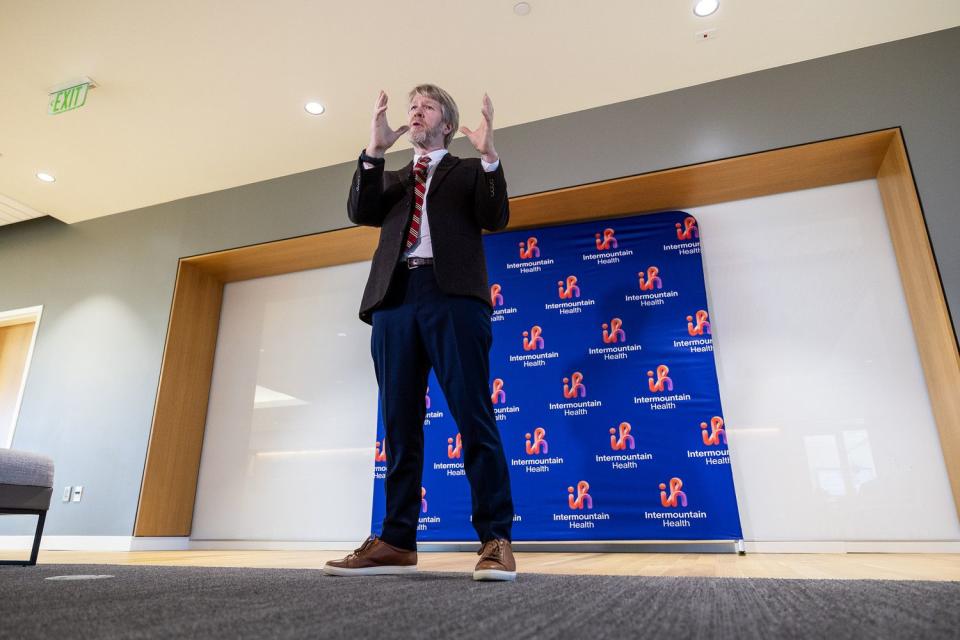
(425, 118)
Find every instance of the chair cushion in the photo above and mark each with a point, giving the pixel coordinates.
(19, 496)
(30, 469)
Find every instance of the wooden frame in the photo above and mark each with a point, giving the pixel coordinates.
(173, 457)
(27, 315)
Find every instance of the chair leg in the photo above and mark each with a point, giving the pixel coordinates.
(41, 518)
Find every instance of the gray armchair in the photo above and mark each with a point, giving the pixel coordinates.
(26, 485)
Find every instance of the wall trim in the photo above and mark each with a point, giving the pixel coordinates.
(21, 316)
(132, 543)
(169, 486)
(69, 543)
(853, 546)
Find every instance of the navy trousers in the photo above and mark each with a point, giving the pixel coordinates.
(417, 328)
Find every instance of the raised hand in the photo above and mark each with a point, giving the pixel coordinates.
(382, 136)
(482, 137)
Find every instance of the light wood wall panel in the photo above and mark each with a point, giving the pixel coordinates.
(804, 167)
(173, 458)
(936, 342)
(286, 256)
(15, 342)
(180, 414)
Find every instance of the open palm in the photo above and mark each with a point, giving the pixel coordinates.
(382, 136)
(482, 137)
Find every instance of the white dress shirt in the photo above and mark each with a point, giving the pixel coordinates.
(424, 248)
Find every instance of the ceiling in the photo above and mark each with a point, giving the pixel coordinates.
(204, 95)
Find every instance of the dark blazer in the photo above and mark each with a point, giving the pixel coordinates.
(462, 200)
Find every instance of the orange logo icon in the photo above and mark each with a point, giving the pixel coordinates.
(675, 494)
(530, 249)
(498, 395)
(650, 280)
(620, 439)
(573, 386)
(571, 290)
(532, 340)
(608, 241)
(583, 499)
(496, 297)
(702, 326)
(453, 450)
(614, 331)
(663, 380)
(537, 442)
(717, 432)
(689, 230)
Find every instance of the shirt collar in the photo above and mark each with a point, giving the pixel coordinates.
(435, 157)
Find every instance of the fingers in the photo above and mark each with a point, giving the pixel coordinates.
(380, 105)
(465, 131)
(487, 109)
(402, 130)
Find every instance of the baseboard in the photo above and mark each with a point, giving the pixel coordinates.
(427, 547)
(274, 545)
(160, 544)
(854, 546)
(68, 543)
(646, 546)
(130, 543)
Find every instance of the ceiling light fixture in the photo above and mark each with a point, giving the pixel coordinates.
(314, 108)
(704, 8)
(46, 177)
(521, 8)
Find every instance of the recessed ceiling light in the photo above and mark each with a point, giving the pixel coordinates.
(704, 8)
(46, 177)
(521, 8)
(314, 108)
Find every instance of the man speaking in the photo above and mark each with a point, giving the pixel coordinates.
(428, 300)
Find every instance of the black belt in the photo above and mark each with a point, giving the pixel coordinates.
(413, 262)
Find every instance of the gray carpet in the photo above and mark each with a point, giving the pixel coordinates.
(164, 602)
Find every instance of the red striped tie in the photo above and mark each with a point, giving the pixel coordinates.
(420, 193)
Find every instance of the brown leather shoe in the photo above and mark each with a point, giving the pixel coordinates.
(496, 561)
(373, 558)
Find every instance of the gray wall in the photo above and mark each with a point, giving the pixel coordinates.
(106, 284)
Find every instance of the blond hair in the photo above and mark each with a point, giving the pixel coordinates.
(448, 108)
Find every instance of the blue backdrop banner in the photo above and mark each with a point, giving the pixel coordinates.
(604, 388)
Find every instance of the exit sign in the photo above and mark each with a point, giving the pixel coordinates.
(68, 98)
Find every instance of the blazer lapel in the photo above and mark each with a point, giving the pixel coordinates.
(406, 175)
(447, 162)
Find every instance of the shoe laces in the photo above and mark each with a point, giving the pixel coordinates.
(363, 547)
(491, 550)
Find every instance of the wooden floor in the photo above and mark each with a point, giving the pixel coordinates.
(755, 565)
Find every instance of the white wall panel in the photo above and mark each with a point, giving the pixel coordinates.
(288, 449)
(830, 429)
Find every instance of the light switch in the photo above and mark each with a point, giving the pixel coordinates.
(77, 494)
(67, 491)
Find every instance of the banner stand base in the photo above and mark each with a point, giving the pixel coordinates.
(632, 546)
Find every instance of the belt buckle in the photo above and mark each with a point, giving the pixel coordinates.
(415, 261)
